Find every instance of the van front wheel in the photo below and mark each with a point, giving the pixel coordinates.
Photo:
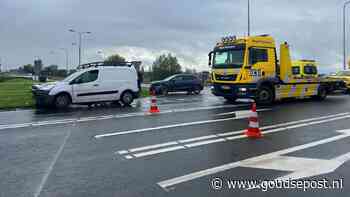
(127, 98)
(62, 101)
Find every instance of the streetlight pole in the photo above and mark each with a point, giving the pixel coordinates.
(344, 34)
(66, 54)
(80, 34)
(248, 17)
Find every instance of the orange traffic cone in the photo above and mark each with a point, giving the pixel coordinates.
(253, 130)
(154, 107)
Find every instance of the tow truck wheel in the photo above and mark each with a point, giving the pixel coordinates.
(264, 96)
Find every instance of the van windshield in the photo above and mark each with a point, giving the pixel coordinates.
(71, 77)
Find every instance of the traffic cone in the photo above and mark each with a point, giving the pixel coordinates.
(253, 130)
(154, 107)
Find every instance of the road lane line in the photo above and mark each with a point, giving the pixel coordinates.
(202, 173)
(304, 120)
(105, 117)
(49, 170)
(163, 127)
(230, 133)
(241, 112)
(204, 143)
(163, 150)
(198, 138)
(244, 115)
(153, 146)
(122, 152)
(221, 138)
(238, 116)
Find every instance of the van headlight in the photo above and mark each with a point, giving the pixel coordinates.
(47, 87)
(242, 89)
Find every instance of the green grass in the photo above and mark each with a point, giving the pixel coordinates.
(144, 92)
(16, 93)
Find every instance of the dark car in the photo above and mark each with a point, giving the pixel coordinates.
(178, 83)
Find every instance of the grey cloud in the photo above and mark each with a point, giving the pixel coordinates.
(187, 28)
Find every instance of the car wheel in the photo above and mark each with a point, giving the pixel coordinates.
(265, 96)
(62, 101)
(197, 90)
(230, 99)
(127, 98)
(164, 91)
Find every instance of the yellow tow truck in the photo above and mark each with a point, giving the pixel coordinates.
(248, 67)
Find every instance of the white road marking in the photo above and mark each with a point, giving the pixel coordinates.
(158, 151)
(221, 137)
(230, 133)
(162, 127)
(49, 170)
(153, 146)
(122, 152)
(128, 157)
(188, 177)
(204, 143)
(242, 112)
(304, 120)
(105, 117)
(198, 138)
(239, 115)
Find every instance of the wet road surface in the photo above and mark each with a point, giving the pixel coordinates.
(124, 151)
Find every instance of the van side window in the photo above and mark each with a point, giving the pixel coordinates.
(295, 70)
(257, 55)
(310, 69)
(87, 77)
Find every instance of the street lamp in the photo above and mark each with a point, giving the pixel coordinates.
(248, 17)
(344, 34)
(80, 38)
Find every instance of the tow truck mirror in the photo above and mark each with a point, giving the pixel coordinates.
(210, 57)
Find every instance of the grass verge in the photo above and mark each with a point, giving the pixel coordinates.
(16, 93)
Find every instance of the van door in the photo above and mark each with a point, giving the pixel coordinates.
(86, 87)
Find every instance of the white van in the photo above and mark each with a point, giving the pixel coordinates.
(90, 85)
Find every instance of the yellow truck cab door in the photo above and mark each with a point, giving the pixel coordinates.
(261, 63)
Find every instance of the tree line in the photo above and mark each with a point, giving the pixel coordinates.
(165, 65)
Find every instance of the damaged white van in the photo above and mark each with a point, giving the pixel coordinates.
(92, 83)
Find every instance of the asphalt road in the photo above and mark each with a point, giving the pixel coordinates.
(124, 151)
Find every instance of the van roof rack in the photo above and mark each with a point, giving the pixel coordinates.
(107, 63)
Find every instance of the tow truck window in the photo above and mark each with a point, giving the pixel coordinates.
(257, 55)
(229, 58)
(310, 70)
(295, 70)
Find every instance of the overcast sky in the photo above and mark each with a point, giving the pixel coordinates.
(144, 29)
